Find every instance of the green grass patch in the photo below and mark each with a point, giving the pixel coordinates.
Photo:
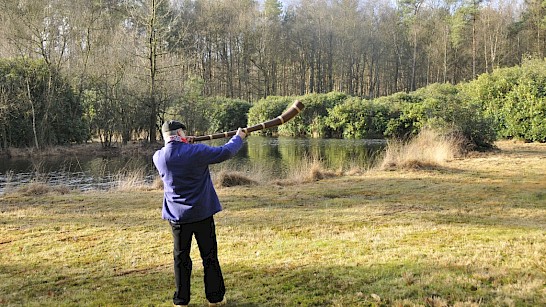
(472, 233)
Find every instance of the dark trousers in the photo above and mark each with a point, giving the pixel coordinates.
(205, 235)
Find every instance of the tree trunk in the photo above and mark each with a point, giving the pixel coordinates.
(33, 116)
(152, 57)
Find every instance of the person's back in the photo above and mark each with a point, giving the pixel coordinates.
(189, 195)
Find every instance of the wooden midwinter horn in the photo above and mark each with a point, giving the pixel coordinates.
(290, 113)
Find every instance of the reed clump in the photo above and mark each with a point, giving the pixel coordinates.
(308, 170)
(132, 180)
(233, 178)
(41, 188)
(428, 150)
(317, 172)
(157, 183)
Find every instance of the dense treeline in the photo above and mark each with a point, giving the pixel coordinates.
(116, 69)
(508, 103)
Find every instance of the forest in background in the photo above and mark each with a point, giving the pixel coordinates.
(116, 69)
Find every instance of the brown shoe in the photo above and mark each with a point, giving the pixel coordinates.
(179, 305)
(221, 303)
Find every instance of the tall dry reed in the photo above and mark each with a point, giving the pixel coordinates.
(308, 170)
(131, 180)
(429, 149)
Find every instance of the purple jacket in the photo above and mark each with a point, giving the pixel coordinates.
(189, 195)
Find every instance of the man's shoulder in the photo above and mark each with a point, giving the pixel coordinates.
(159, 152)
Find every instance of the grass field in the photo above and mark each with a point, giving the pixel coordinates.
(471, 233)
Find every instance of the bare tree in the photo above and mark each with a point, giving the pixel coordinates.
(151, 24)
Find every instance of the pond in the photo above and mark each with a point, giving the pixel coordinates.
(273, 157)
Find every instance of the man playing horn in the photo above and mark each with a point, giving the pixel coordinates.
(189, 204)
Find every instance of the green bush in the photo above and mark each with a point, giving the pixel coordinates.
(37, 105)
(266, 109)
(441, 107)
(515, 99)
(227, 114)
(358, 118)
(397, 100)
(312, 121)
(110, 111)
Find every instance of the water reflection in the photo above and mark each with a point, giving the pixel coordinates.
(272, 156)
(78, 172)
(279, 155)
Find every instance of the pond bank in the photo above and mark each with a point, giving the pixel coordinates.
(89, 165)
(86, 149)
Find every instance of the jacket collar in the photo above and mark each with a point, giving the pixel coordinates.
(176, 138)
